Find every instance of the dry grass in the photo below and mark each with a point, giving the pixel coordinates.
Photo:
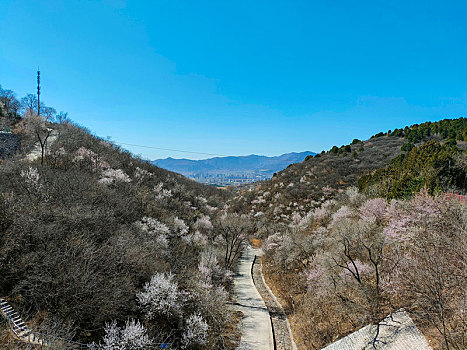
(274, 283)
(431, 335)
(256, 242)
(233, 334)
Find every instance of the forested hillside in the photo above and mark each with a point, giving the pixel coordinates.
(342, 257)
(99, 246)
(439, 167)
(306, 185)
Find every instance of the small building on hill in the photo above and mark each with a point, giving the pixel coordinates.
(396, 332)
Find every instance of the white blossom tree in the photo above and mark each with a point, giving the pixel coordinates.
(196, 331)
(111, 176)
(160, 296)
(132, 337)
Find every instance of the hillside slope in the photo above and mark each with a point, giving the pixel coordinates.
(340, 258)
(88, 237)
(301, 187)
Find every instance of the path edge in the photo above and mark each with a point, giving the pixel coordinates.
(294, 346)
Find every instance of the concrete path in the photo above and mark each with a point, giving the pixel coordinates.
(256, 324)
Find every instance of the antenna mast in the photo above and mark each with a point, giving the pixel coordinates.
(38, 91)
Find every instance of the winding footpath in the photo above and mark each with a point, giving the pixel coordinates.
(264, 324)
(256, 324)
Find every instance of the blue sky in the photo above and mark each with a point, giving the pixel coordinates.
(239, 77)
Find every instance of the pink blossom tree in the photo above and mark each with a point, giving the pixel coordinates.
(374, 209)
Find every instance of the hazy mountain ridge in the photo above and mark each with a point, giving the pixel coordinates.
(232, 163)
(242, 168)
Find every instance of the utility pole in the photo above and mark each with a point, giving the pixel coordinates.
(38, 91)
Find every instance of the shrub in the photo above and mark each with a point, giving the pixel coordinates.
(407, 147)
(377, 135)
(132, 337)
(451, 142)
(430, 166)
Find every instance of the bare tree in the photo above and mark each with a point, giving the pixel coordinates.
(7, 97)
(29, 102)
(438, 277)
(234, 231)
(37, 125)
(48, 112)
(9, 101)
(62, 117)
(15, 107)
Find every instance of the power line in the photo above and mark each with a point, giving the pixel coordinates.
(170, 149)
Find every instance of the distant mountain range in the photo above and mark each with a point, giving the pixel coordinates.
(231, 170)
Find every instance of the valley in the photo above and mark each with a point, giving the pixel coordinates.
(232, 171)
(103, 250)
(233, 175)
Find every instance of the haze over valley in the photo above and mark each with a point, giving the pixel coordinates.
(227, 171)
